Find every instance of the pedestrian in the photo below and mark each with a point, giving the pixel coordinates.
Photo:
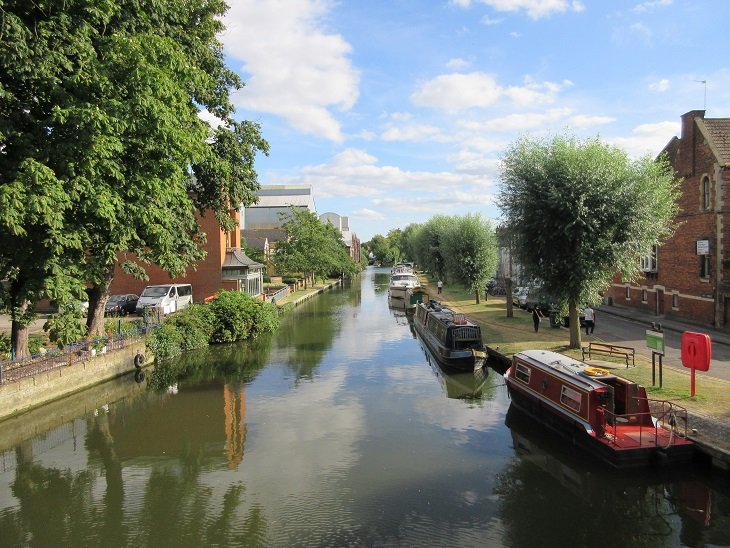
(590, 319)
(536, 315)
(439, 285)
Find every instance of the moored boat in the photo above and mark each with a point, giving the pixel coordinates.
(609, 416)
(415, 295)
(454, 341)
(400, 283)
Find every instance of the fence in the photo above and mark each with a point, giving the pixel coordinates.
(27, 366)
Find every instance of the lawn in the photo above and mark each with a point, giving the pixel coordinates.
(510, 335)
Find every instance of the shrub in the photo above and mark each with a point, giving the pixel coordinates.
(195, 325)
(234, 313)
(165, 342)
(5, 346)
(266, 319)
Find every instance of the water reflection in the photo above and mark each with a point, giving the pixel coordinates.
(335, 431)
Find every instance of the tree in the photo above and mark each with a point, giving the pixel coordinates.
(469, 248)
(428, 245)
(101, 137)
(312, 247)
(579, 212)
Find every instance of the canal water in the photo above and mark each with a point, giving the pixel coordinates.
(335, 431)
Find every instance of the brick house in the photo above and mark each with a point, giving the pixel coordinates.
(688, 277)
(225, 266)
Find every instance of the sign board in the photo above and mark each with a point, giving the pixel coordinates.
(655, 341)
(696, 350)
(703, 247)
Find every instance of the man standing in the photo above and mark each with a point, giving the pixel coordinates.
(439, 285)
(590, 319)
(536, 315)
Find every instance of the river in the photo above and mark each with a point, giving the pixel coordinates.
(335, 431)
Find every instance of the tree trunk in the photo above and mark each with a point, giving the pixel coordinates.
(508, 296)
(476, 293)
(19, 337)
(574, 324)
(98, 296)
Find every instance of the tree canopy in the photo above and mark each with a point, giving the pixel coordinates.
(103, 148)
(578, 212)
(312, 247)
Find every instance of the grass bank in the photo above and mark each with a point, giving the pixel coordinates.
(510, 335)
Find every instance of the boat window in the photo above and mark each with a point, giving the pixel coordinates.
(523, 373)
(570, 398)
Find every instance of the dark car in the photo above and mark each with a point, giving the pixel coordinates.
(121, 305)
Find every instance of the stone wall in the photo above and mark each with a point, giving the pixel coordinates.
(25, 394)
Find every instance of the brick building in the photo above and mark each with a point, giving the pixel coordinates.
(688, 277)
(225, 266)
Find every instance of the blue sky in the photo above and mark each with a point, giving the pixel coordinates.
(398, 110)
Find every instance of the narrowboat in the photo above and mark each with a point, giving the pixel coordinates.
(454, 341)
(607, 415)
(415, 295)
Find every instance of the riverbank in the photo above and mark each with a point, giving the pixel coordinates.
(709, 409)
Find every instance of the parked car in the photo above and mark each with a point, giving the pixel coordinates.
(518, 295)
(121, 305)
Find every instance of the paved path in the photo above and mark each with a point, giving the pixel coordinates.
(624, 326)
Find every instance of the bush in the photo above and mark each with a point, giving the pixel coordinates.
(165, 342)
(5, 346)
(234, 314)
(266, 319)
(195, 325)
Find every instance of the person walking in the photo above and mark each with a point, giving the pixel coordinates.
(439, 286)
(590, 319)
(536, 315)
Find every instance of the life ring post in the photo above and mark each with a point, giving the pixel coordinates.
(139, 360)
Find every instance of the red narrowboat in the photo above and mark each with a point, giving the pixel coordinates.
(607, 415)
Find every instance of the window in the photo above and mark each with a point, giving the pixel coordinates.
(644, 295)
(704, 266)
(570, 398)
(523, 373)
(628, 293)
(705, 193)
(675, 300)
(649, 263)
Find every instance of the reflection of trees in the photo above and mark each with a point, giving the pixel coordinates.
(308, 332)
(381, 280)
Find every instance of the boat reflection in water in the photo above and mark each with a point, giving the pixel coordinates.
(460, 385)
(651, 507)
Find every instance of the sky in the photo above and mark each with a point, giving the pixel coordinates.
(398, 110)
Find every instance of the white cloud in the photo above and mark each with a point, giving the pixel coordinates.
(651, 5)
(457, 63)
(365, 213)
(535, 9)
(489, 21)
(296, 69)
(461, 91)
(647, 138)
(659, 87)
(211, 119)
(414, 132)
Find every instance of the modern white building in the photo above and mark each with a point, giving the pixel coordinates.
(343, 225)
(273, 203)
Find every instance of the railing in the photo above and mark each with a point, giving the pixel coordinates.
(280, 294)
(663, 415)
(27, 366)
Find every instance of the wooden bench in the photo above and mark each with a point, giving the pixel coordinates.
(613, 350)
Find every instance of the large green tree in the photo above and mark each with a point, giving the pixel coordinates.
(579, 212)
(103, 149)
(312, 247)
(470, 255)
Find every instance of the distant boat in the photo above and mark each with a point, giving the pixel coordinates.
(454, 341)
(400, 283)
(609, 416)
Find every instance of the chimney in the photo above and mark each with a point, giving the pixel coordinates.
(688, 140)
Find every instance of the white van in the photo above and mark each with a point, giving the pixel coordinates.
(168, 298)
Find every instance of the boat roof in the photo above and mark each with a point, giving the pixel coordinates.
(447, 315)
(572, 369)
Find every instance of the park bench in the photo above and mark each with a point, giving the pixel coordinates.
(613, 350)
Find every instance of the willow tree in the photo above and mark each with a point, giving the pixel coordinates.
(579, 212)
(470, 252)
